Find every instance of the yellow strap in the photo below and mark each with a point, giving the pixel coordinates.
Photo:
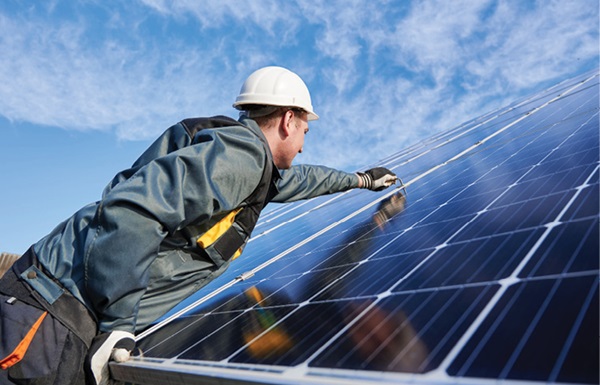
(236, 254)
(21, 349)
(217, 230)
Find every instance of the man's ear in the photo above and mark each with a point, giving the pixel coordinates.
(285, 124)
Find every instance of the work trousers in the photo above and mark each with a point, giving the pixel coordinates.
(41, 343)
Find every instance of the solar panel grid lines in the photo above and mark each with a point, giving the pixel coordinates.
(444, 163)
(572, 333)
(490, 272)
(464, 130)
(530, 330)
(500, 113)
(514, 277)
(483, 210)
(556, 296)
(294, 218)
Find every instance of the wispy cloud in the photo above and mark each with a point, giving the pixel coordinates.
(56, 75)
(527, 46)
(264, 15)
(451, 61)
(383, 74)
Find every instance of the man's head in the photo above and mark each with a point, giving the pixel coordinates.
(279, 101)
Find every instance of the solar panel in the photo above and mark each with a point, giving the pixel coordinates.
(487, 270)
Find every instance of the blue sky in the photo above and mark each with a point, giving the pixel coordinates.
(86, 85)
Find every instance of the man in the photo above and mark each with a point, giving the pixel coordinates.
(163, 229)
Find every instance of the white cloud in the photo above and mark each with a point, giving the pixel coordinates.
(51, 75)
(263, 14)
(542, 43)
(434, 33)
(377, 69)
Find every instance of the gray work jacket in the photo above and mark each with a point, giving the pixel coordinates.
(132, 256)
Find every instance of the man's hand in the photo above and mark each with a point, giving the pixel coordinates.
(115, 345)
(377, 179)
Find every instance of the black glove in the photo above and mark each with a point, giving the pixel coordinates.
(377, 179)
(115, 345)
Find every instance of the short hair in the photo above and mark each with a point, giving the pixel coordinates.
(265, 115)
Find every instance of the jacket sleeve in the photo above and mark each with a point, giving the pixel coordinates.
(187, 186)
(307, 181)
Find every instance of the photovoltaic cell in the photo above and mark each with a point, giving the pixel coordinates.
(487, 270)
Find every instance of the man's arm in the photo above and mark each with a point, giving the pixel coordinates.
(306, 181)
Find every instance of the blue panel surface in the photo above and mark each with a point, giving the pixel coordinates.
(486, 270)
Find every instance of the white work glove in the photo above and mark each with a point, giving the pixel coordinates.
(377, 179)
(116, 345)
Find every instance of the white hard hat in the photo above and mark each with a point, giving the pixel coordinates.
(275, 86)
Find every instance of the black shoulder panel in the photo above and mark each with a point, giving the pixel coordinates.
(193, 125)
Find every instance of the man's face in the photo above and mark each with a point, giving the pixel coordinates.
(298, 128)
